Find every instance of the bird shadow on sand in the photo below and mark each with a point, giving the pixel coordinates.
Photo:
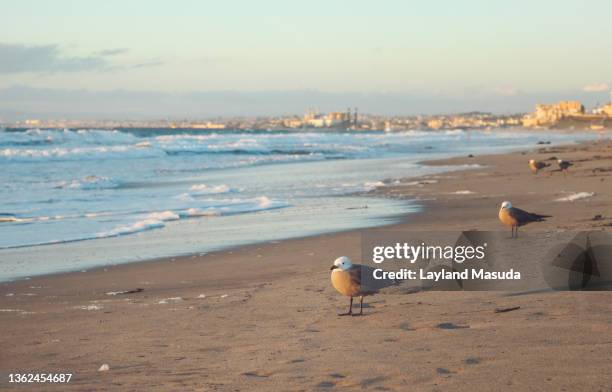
(356, 314)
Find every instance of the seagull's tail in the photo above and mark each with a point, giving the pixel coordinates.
(540, 218)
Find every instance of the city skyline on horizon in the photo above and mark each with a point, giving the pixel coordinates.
(152, 59)
(218, 105)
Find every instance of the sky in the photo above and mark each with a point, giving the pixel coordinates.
(152, 59)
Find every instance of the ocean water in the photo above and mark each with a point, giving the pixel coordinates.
(75, 199)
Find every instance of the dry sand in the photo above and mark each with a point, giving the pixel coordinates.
(263, 317)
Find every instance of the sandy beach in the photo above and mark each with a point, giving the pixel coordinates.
(263, 317)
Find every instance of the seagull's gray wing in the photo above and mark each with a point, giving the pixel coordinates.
(524, 217)
(369, 285)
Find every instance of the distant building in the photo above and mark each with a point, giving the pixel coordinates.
(331, 120)
(605, 110)
(32, 122)
(293, 122)
(550, 114)
(207, 125)
(435, 123)
(338, 119)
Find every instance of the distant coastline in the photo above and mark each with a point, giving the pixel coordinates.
(561, 115)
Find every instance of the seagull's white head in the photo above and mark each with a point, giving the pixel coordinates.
(532, 161)
(343, 263)
(559, 160)
(506, 204)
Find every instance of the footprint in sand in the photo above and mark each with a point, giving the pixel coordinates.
(257, 374)
(365, 383)
(472, 361)
(326, 384)
(405, 326)
(451, 326)
(390, 340)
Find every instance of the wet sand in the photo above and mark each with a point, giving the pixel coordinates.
(263, 317)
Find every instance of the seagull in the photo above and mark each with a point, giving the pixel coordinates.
(536, 166)
(564, 165)
(353, 280)
(516, 217)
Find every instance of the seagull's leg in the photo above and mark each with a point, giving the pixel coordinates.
(361, 306)
(350, 311)
(516, 235)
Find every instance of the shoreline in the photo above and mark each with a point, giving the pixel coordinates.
(454, 163)
(79, 251)
(414, 219)
(263, 316)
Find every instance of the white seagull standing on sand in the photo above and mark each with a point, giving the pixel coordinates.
(515, 217)
(348, 279)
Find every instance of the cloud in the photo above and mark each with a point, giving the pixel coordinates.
(149, 63)
(112, 52)
(17, 58)
(596, 87)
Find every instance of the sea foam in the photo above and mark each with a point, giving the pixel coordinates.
(577, 196)
(210, 189)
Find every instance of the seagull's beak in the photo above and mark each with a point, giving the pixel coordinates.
(333, 267)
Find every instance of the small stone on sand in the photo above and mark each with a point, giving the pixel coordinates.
(104, 368)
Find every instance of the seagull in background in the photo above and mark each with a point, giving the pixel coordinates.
(536, 166)
(564, 165)
(355, 280)
(515, 217)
